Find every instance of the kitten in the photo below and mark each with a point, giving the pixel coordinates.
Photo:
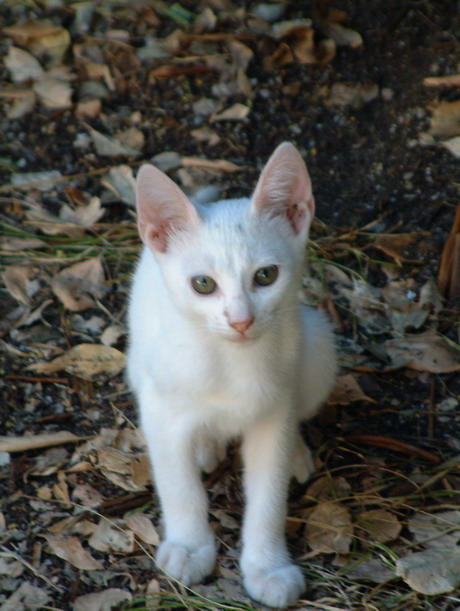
(220, 348)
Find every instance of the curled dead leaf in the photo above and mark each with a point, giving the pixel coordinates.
(347, 390)
(433, 571)
(424, 352)
(71, 550)
(85, 361)
(380, 525)
(445, 120)
(80, 284)
(113, 598)
(329, 529)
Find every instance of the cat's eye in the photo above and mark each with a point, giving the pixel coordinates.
(266, 275)
(204, 285)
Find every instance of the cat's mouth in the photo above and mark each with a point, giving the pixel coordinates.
(242, 339)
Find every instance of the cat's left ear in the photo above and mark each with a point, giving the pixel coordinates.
(284, 189)
(162, 208)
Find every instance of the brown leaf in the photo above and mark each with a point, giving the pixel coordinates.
(143, 528)
(33, 442)
(452, 80)
(21, 282)
(221, 165)
(22, 65)
(108, 537)
(329, 529)
(78, 284)
(445, 120)
(404, 247)
(355, 95)
(85, 361)
(113, 598)
(380, 525)
(424, 352)
(347, 390)
(431, 572)
(71, 550)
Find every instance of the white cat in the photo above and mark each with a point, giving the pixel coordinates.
(221, 348)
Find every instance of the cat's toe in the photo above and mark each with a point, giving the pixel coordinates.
(187, 565)
(276, 588)
(302, 462)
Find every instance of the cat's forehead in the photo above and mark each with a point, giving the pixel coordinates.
(232, 234)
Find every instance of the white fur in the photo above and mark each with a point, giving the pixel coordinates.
(198, 384)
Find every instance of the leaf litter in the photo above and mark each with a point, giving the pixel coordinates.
(70, 243)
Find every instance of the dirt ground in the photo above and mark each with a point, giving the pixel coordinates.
(154, 78)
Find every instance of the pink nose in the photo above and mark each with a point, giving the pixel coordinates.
(243, 325)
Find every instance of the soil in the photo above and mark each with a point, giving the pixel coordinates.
(369, 170)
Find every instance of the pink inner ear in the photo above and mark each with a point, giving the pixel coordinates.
(162, 208)
(284, 188)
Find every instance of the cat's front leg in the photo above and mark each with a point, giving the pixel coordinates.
(269, 574)
(188, 552)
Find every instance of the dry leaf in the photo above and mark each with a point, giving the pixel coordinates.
(110, 147)
(347, 390)
(431, 572)
(341, 35)
(26, 596)
(452, 145)
(452, 80)
(221, 165)
(405, 247)
(22, 107)
(329, 529)
(53, 93)
(143, 528)
(355, 95)
(437, 530)
(380, 525)
(21, 282)
(445, 120)
(113, 598)
(33, 442)
(71, 550)
(371, 569)
(86, 495)
(328, 488)
(237, 112)
(43, 181)
(424, 352)
(80, 284)
(120, 179)
(108, 537)
(85, 361)
(84, 215)
(22, 65)
(10, 567)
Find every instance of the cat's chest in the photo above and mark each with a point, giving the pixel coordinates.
(216, 375)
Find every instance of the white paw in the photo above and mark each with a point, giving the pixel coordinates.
(276, 588)
(302, 462)
(187, 565)
(209, 453)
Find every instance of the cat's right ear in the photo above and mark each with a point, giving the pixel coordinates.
(162, 208)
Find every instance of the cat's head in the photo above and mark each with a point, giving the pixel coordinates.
(232, 266)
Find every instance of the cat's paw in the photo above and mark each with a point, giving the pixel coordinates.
(209, 453)
(276, 588)
(187, 565)
(302, 462)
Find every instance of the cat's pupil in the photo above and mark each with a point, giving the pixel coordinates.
(266, 275)
(204, 285)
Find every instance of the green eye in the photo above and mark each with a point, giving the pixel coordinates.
(266, 275)
(204, 285)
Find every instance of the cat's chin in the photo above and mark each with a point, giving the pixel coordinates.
(241, 339)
